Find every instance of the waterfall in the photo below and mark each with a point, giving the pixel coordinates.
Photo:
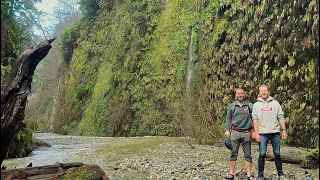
(191, 70)
(54, 105)
(190, 67)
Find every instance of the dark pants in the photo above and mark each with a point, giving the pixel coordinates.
(275, 141)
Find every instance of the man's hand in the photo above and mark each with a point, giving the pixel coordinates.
(227, 133)
(257, 137)
(252, 135)
(284, 135)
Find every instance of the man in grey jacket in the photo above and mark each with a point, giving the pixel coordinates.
(268, 123)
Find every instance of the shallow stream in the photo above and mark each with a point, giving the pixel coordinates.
(103, 151)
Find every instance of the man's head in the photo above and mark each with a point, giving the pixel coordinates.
(240, 95)
(264, 92)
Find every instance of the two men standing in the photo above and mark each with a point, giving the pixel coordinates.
(268, 122)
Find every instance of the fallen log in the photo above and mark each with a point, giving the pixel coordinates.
(291, 157)
(56, 171)
(14, 92)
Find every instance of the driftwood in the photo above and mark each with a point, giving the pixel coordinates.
(53, 172)
(14, 92)
(291, 157)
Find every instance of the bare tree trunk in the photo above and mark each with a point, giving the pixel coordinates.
(15, 90)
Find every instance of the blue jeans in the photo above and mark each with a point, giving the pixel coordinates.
(275, 141)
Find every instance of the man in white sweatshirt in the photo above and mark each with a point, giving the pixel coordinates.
(268, 123)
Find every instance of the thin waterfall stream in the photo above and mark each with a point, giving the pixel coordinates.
(188, 83)
(190, 66)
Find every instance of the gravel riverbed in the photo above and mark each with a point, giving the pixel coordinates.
(161, 158)
(181, 161)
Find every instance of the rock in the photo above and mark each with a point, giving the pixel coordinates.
(39, 143)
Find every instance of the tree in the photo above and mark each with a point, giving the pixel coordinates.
(16, 22)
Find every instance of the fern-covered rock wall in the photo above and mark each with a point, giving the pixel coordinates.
(128, 63)
(264, 42)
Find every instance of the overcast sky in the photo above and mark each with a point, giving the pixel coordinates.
(47, 5)
(47, 20)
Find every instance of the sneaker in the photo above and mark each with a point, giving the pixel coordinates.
(260, 178)
(251, 177)
(282, 177)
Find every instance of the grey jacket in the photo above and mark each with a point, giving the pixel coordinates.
(268, 114)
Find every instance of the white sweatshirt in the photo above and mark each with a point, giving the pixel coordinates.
(268, 114)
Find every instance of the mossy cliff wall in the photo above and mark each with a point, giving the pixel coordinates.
(128, 62)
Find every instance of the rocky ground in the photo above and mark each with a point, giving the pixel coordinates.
(158, 158)
(182, 161)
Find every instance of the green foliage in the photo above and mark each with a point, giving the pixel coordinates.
(264, 45)
(22, 144)
(68, 128)
(128, 69)
(32, 125)
(68, 42)
(90, 9)
(17, 18)
(4, 72)
(314, 153)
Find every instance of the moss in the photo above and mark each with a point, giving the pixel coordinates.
(312, 159)
(313, 154)
(80, 175)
